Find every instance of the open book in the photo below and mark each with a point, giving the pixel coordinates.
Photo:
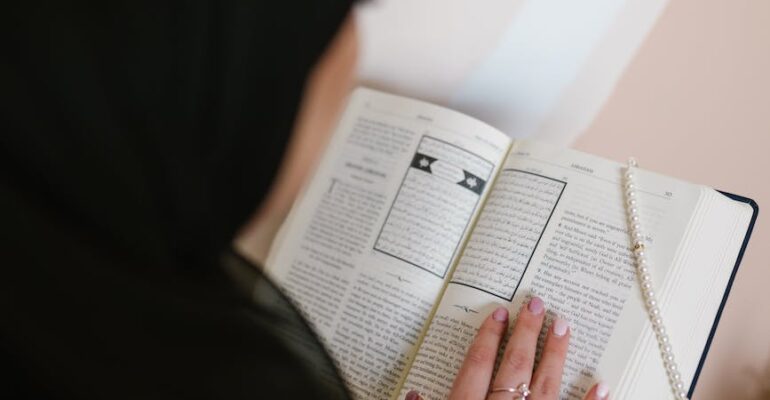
(420, 221)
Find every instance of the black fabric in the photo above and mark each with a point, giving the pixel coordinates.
(136, 137)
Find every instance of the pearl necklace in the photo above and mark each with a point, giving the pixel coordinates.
(645, 283)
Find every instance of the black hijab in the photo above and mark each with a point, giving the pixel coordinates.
(135, 138)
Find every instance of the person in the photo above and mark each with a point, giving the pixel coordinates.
(138, 137)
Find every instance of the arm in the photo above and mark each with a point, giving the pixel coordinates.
(325, 94)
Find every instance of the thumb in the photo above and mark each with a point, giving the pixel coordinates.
(599, 391)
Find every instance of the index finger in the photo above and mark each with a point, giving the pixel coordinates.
(472, 382)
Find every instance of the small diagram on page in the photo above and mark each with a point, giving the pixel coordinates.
(434, 205)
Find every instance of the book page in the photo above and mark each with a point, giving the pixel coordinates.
(554, 226)
(367, 250)
(691, 296)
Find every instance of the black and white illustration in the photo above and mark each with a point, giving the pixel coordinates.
(508, 231)
(434, 205)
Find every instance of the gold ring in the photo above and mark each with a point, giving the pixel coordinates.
(520, 392)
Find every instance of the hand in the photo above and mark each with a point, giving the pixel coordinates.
(473, 380)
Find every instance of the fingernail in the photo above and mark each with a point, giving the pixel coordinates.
(602, 391)
(536, 305)
(413, 395)
(500, 315)
(560, 327)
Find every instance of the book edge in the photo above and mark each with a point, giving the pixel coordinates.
(718, 316)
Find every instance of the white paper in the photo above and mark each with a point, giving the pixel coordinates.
(532, 68)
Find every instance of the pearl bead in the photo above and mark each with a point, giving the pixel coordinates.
(645, 282)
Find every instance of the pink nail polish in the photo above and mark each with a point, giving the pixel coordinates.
(500, 315)
(560, 327)
(602, 391)
(536, 305)
(412, 395)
